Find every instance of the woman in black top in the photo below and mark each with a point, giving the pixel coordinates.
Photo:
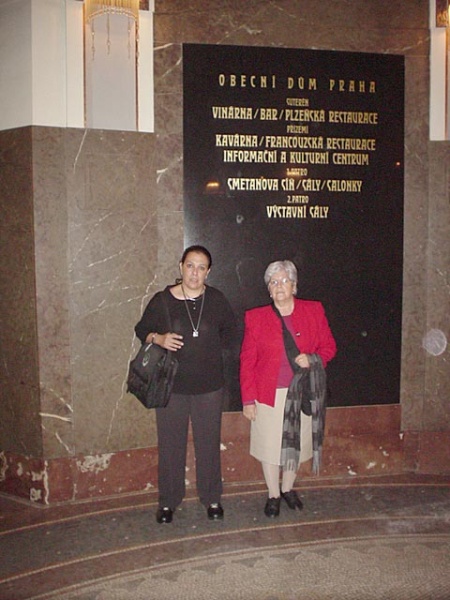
(203, 325)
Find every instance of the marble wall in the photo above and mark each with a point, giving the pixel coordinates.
(92, 226)
(20, 398)
(81, 253)
(363, 26)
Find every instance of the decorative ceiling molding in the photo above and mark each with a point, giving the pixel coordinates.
(441, 13)
(143, 4)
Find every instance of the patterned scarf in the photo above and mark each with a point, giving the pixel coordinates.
(310, 382)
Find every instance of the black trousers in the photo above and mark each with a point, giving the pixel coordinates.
(205, 413)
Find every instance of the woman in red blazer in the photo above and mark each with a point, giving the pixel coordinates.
(266, 374)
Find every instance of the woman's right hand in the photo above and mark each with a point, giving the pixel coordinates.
(249, 411)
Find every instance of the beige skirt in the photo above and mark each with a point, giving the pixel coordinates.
(267, 431)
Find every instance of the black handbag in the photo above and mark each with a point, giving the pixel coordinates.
(292, 352)
(152, 372)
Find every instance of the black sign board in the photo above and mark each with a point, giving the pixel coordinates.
(298, 154)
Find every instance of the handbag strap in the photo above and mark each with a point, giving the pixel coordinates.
(289, 343)
(164, 296)
(166, 308)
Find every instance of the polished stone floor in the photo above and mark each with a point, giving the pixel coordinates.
(352, 531)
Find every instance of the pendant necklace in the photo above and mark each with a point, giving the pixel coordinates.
(194, 328)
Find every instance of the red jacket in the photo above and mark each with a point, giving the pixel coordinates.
(262, 346)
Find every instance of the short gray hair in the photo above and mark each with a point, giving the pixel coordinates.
(281, 265)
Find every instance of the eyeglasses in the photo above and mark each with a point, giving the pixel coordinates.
(275, 282)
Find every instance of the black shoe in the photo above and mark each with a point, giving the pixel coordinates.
(215, 511)
(292, 500)
(164, 515)
(272, 507)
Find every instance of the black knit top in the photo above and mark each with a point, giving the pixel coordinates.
(200, 367)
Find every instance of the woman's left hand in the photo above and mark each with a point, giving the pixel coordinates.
(302, 360)
(249, 411)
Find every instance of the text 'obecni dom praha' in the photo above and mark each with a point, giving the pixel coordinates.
(297, 82)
